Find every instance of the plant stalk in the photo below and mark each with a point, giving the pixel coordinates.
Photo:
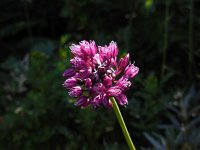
(122, 124)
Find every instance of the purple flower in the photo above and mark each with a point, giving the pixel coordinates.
(78, 62)
(123, 62)
(113, 49)
(75, 91)
(88, 82)
(76, 50)
(94, 73)
(82, 101)
(107, 81)
(123, 83)
(89, 49)
(131, 70)
(114, 91)
(69, 72)
(121, 99)
(69, 83)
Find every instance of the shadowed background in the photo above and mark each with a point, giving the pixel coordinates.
(162, 38)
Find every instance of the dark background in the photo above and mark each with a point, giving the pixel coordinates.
(162, 37)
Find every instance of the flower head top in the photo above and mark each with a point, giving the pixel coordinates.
(94, 73)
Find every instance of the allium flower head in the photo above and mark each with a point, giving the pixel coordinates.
(96, 75)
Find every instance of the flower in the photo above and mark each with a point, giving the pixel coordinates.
(95, 75)
(75, 91)
(69, 83)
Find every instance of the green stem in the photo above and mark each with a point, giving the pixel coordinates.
(122, 124)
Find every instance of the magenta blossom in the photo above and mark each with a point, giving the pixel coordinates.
(94, 73)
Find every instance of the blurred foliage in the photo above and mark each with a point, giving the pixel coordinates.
(182, 131)
(162, 38)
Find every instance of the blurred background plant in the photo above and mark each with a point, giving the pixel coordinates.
(161, 36)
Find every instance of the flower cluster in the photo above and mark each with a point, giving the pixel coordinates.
(94, 76)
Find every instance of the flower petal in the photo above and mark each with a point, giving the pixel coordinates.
(121, 99)
(114, 91)
(69, 72)
(131, 70)
(82, 101)
(75, 91)
(70, 82)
